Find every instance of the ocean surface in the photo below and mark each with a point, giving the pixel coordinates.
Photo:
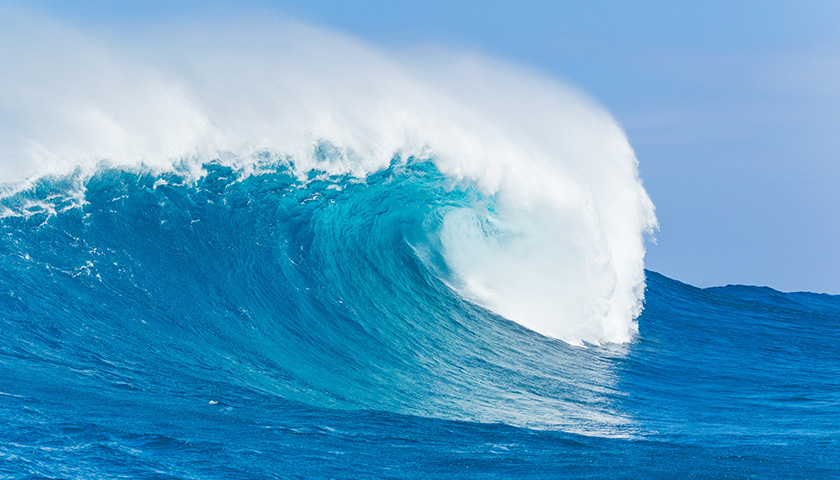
(258, 249)
(286, 323)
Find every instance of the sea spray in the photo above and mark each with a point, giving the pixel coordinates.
(564, 256)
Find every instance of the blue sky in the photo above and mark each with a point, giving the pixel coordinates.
(733, 108)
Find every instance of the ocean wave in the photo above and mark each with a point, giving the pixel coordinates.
(330, 290)
(557, 247)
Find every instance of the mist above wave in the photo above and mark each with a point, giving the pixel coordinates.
(558, 248)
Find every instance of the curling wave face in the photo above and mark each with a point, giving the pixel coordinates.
(553, 239)
(328, 290)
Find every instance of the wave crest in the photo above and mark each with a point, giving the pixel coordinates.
(557, 244)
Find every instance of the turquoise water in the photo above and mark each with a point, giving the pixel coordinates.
(271, 326)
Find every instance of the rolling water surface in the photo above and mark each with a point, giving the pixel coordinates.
(269, 326)
(262, 250)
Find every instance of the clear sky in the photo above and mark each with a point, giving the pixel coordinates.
(733, 108)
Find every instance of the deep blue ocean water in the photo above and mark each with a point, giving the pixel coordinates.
(271, 326)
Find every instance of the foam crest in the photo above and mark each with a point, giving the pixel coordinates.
(561, 251)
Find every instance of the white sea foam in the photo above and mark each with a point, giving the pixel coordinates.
(562, 250)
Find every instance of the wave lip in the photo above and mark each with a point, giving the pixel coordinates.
(556, 243)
